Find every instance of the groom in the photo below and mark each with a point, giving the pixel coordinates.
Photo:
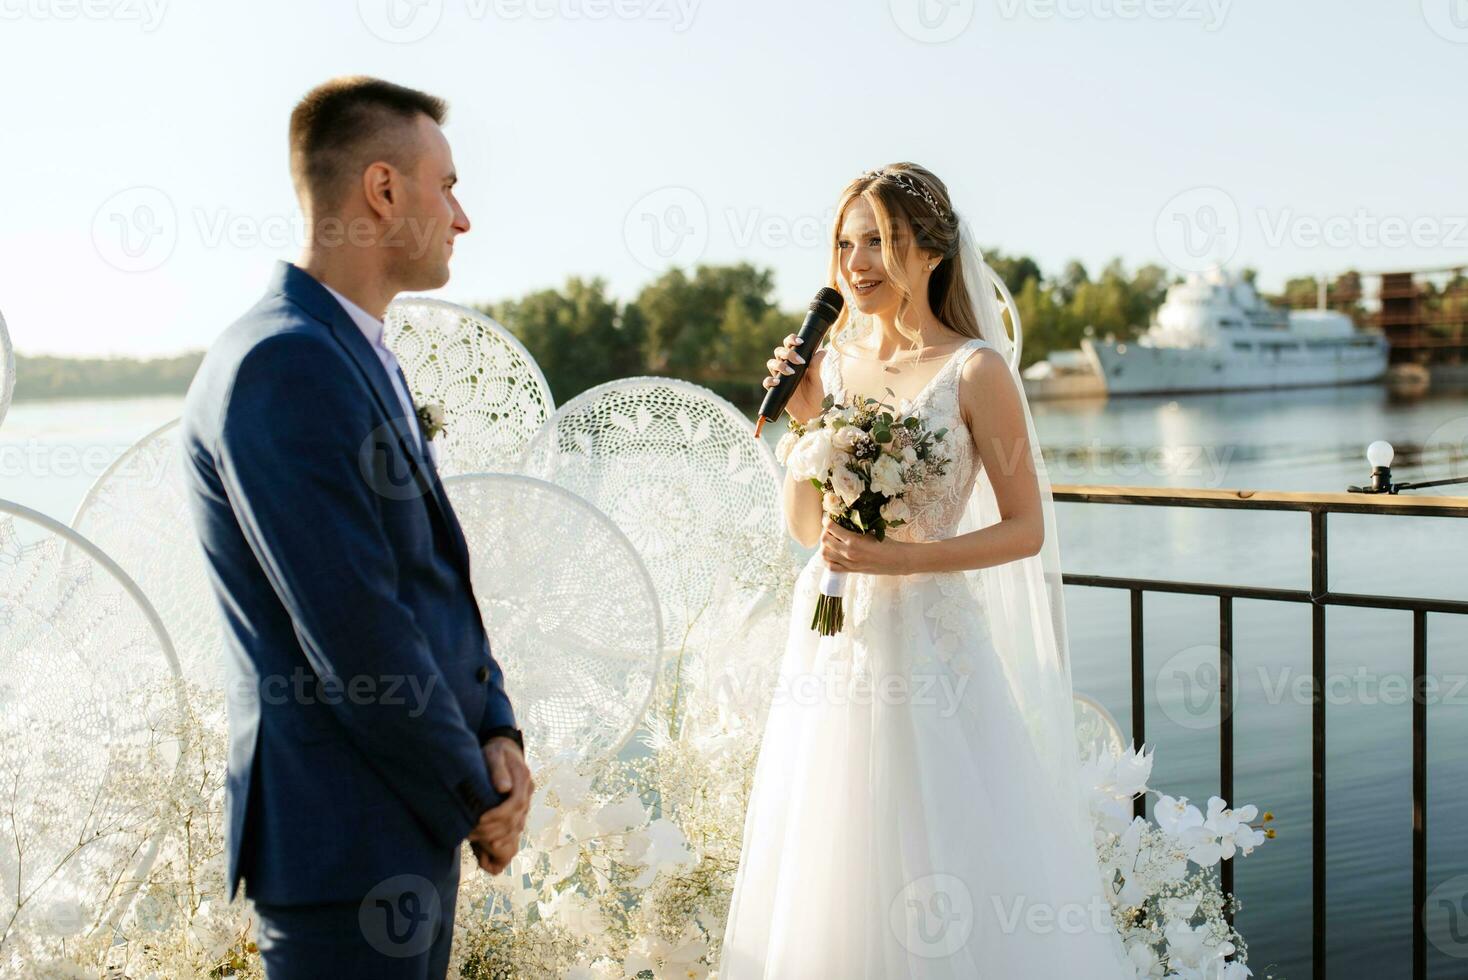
(369, 729)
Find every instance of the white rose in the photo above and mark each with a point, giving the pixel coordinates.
(831, 503)
(847, 438)
(887, 476)
(896, 510)
(909, 455)
(847, 484)
(784, 447)
(812, 456)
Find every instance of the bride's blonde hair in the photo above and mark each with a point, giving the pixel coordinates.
(913, 210)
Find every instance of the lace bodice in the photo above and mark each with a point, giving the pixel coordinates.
(936, 507)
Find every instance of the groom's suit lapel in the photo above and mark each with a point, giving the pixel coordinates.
(301, 289)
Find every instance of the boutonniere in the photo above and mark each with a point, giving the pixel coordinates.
(431, 417)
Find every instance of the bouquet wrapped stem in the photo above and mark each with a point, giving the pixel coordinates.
(830, 616)
(864, 460)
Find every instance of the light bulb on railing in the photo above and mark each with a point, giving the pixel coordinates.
(1380, 453)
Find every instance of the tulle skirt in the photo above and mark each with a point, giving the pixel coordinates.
(899, 825)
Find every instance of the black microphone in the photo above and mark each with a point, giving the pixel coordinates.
(823, 311)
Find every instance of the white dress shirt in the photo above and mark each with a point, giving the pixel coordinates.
(373, 329)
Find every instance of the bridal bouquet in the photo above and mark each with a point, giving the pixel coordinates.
(865, 459)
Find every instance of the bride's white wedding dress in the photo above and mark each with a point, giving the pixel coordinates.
(900, 824)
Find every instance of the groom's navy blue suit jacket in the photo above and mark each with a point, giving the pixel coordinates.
(361, 685)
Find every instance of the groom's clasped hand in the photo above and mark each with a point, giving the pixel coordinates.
(496, 837)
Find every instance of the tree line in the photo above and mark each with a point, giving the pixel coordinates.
(714, 325)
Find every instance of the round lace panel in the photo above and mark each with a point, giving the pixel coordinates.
(88, 684)
(493, 394)
(682, 473)
(570, 610)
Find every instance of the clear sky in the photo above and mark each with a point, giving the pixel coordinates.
(146, 192)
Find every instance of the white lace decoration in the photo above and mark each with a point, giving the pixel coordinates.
(1097, 733)
(681, 472)
(137, 511)
(493, 394)
(570, 609)
(85, 669)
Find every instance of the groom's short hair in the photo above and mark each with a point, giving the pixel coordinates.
(345, 124)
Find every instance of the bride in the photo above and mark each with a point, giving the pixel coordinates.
(916, 808)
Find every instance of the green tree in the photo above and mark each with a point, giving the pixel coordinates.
(1300, 293)
(578, 335)
(1070, 281)
(1016, 270)
(715, 327)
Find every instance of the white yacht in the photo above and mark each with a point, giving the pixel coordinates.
(1215, 333)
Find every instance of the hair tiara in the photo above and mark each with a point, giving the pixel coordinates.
(907, 183)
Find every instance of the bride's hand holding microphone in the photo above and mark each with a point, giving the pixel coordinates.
(806, 401)
(787, 384)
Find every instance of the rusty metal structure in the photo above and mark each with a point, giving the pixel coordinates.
(1422, 312)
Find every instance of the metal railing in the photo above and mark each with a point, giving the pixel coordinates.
(1319, 596)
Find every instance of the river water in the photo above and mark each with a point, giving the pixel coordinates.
(1302, 440)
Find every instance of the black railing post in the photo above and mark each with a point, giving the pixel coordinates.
(1419, 794)
(1139, 692)
(1226, 720)
(1319, 585)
